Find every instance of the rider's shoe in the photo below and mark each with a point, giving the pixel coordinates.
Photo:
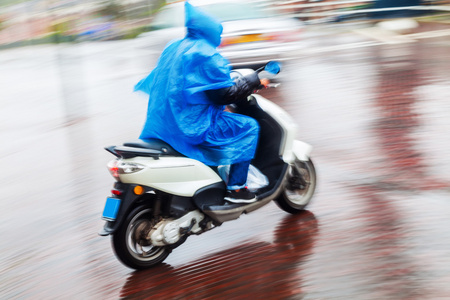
(240, 196)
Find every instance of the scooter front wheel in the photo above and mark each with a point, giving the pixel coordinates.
(299, 187)
(130, 245)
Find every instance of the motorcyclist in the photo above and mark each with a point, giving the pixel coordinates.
(189, 89)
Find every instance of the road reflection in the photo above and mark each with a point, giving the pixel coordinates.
(258, 269)
(387, 248)
(398, 120)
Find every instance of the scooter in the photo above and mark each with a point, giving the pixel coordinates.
(161, 197)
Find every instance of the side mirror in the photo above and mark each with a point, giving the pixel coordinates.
(273, 67)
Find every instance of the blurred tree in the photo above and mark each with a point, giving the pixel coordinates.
(396, 13)
(397, 3)
(112, 9)
(11, 2)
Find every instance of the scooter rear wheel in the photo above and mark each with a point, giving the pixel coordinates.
(299, 187)
(130, 246)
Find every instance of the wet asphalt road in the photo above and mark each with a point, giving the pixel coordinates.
(376, 111)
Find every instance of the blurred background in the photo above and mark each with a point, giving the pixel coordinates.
(367, 82)
(55, 21)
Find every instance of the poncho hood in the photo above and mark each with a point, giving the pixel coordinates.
(201, 25)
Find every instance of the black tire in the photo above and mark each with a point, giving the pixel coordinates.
(132, 250)
(299, 187)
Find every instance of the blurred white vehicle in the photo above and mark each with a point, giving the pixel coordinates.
(252, 35)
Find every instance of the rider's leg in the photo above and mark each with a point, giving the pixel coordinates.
(237, 184)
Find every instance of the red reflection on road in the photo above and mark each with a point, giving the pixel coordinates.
(269, 270)
(404, 166)
(387, 257)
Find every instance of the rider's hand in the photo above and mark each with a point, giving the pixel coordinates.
(230, 108)
(265, 82)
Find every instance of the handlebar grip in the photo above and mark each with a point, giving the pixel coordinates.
(273, 85)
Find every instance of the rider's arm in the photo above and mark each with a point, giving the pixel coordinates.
(242, 88)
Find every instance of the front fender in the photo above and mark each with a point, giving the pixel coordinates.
(301, 150)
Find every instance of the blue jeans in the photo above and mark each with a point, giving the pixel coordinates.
(237, 179)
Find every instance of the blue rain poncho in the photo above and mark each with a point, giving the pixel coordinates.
(180, 113)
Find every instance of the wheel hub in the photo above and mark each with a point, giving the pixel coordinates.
(295, 183)
(141, 232)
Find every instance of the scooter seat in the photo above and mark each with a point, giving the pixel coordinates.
(154, 144)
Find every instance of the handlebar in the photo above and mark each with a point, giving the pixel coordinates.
(273, 85)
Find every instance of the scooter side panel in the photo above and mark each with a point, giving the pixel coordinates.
(285, 121)
(179, 176)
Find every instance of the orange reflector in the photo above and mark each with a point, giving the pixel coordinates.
(138, 190)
